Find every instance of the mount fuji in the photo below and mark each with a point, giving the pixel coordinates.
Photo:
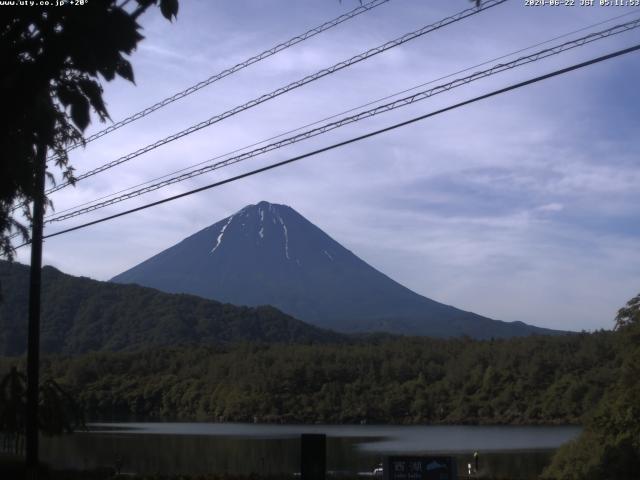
(269, 254)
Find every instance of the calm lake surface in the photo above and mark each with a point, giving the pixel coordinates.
(189, 448)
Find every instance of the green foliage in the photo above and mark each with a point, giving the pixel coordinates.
(58, 411)
(81, 315)
(534, 380)
(13, 394)
(609, 448)
(629, 314)
(52, 61)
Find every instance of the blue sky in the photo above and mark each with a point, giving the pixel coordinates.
(521, 207)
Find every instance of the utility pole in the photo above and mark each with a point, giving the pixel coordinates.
(33, 342)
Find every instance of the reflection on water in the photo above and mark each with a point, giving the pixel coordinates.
(518, 452)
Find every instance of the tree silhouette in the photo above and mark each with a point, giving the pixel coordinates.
(609, 446)
(53, 61)
(13, 405)
(629, 314)
(58, 411)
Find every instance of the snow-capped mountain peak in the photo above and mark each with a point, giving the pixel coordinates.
(270, 254)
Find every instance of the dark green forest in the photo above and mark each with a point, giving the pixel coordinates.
(81, 315)
(534, 380)
(609, 447)
(592, 379)
(178, 357)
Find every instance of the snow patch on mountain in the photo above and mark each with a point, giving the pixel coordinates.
(219, 239)
(286, 240)
(285, 232)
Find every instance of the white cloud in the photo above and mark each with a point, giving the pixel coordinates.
(551, 207)
(513, 207)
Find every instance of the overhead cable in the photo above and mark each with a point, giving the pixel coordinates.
(416, 97)
(336, 115)
(231, 70)
(282, 90)
(352, 140)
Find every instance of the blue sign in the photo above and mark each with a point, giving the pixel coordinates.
(420, 468)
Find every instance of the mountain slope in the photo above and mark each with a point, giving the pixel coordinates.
(270, 254)
(80, 315)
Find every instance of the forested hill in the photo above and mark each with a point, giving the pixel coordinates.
(533, 380)
(81, 315)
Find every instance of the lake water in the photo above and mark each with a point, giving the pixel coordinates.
(191, 448)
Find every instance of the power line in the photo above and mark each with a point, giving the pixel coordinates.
(229, 71)
(353, 109)
(219, 76)
(419, 96)
(282, 90)
(353, 140)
